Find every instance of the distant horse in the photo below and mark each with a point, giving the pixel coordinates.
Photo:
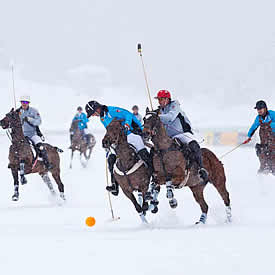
(266, 149)
(22, 160)
(172, 168)
(129, 171)
(79, 144)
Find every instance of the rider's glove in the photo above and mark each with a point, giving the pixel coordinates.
(28, 119)
(247, 141)
(127, 127)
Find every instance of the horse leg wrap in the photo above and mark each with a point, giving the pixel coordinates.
(15, 196)
(22, 172)
(48, 182)
(203, 218)
(62, 196)
(140, 199)
(169, 188)
(228, 214)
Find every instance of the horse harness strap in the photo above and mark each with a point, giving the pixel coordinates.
(130, 171)
(124, 173)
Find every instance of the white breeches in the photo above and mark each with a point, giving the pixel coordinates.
(186, 137)
(36, 139)
(136, 141)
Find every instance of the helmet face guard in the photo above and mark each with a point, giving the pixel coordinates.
(91, 108)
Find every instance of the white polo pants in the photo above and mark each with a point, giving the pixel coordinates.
(136, 140)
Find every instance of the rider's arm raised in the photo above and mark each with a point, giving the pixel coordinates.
(254, 127)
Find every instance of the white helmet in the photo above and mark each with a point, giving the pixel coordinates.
(25, 98)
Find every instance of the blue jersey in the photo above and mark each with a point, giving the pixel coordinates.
(119, 113)
(83, 120)
(269, 117)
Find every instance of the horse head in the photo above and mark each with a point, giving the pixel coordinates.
(151, 123)
(10, 120)
(115, 134)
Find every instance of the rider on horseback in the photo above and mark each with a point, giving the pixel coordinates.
(30, 119)
(178, 127)
(132, 126)
(264, 116)
(265, 151)
(82, 119)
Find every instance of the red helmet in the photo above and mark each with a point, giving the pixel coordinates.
(163, 94)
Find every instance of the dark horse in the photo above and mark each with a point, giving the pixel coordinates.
(22, 160)
(171, 167)
(266, 149)
(129, 171)
(79, 144)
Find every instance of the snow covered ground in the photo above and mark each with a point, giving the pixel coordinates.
(39, 237)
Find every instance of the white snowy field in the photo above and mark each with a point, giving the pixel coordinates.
(39, 237)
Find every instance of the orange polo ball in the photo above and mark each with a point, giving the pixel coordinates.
(90, 221)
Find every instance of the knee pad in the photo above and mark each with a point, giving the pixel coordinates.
(40, 146)
(194, 146)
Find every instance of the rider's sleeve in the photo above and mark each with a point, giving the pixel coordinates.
(121, 113)
(35, 118)
(172, 114)
(254, 127)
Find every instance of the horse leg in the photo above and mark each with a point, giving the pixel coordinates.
(48, 182)
(56, 176)
(154, 192)
(136, 204)
(23, 179)
(14, 171)
(72, 155)
(198, 195)
(170, 195)
(221, 188)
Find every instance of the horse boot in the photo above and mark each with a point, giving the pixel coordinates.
(196, 150)
(44, 156)
(114, 188)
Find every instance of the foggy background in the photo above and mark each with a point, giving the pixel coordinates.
(217, 57)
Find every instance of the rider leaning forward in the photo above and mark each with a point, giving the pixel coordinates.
(30, 119)
(178, 127)
(132, 126)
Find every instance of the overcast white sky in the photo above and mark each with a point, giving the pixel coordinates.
(201, 50)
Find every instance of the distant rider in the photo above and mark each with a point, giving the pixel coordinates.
(82, 119)
(264, 116)
(178, 126)
(130, 123)
(30, 119)
(135, 110)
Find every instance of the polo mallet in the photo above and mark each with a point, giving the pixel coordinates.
(13, 83)
(109, 196)
(224, 155)
(145, 75)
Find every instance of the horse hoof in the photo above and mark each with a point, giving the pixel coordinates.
(15, 197)
(173, 203)
(155, 210)
(62, 196)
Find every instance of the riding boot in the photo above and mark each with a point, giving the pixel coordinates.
(114, 188)
(88, 139)
(196, 150)
(44, 156)
(145, 156)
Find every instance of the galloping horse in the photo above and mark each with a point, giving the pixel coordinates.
(129, 171)
(79, 144)
(172, 168)
(266, 149)
(22, 159)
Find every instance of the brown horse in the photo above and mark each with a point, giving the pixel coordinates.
(266, 149)
(129, 171)
(171, 167)
(22, 159)
(79, 144)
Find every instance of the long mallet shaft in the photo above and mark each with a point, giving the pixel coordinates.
(13, 84)
(145, 75)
